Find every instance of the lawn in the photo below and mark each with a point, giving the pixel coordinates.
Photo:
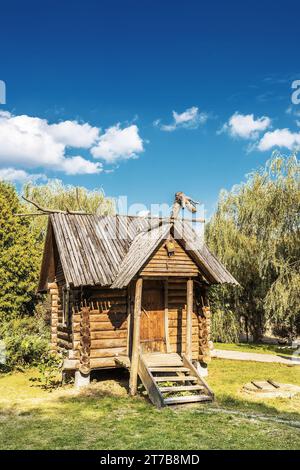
(104, 417)
(278, 350)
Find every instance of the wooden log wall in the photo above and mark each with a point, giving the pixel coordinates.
(205, 335)
(54, 295)
(64, 331)
(108, 321)
(177, 298)
(178, 265)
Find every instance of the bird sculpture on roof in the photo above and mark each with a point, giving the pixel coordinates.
(183, 201)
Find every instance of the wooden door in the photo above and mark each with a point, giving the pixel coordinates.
(152, 335)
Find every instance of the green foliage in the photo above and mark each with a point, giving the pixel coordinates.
(255, 232)
(55, 195)
(49, 367)
(19, 257)
(225, 326)
(26, 340)
(21, 246)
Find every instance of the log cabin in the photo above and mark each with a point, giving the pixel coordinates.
(132, 292)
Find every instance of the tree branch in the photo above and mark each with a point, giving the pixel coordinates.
(45, 210)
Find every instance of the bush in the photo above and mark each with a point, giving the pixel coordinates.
(49, 367)
(225, 327)
(25, 341)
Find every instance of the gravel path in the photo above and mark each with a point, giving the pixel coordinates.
(249, 356)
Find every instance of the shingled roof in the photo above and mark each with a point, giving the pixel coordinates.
(111, 250)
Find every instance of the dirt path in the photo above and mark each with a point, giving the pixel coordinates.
(249, 356)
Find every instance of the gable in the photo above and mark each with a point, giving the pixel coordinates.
(51, 270)
(179, 264)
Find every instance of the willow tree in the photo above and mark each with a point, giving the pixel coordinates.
(56, 195)
(255, 232)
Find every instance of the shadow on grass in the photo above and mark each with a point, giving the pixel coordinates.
(266, 409)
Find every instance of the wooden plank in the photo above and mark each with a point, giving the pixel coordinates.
(193, 371)
(123, 361)
(181, 388)
(105, 334)
(101, 326)
(169, 369)
(189, 399)
(176, 378)
(102, 363)
(108, 352)
(108, 343)
(166, 315)
(189, 311)
(160, 359)
(103, 317)
(136, 337)
(150, 385)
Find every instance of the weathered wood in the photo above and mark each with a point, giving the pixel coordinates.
(53, 288)
(102, 326)
(136, 337)
(175, 378)
(107, 352)
(104, 335)
(189, 399)
(85, 341)
(166, 301)
(123, 361)
(187, 363)
(189, 311)
(108, 343)
(181, 388)
(102, 363)
(150, 384)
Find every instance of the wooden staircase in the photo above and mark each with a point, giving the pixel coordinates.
(172, 380)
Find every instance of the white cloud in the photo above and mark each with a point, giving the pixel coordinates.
(78, 165)
(19, 176)
(279, 138)
(191, 118)
(118, 144)
(32, 143)
(245, 126)
(73, 134)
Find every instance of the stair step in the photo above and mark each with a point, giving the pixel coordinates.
(189, 399)
(181, 388)
(162, 360)
(169, 369)
(176, 378)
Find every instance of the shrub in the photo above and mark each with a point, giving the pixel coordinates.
(25, 340)
(49, 367)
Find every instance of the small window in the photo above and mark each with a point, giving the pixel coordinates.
(66, 306)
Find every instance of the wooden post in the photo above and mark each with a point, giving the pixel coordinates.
(136, 337)
(189, 312)
(166, 315)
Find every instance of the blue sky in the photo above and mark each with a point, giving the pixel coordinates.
(119, 69)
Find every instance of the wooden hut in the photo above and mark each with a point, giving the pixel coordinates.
(132, 292)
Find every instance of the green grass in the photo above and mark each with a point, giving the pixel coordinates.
(256, 348)
(105, 417)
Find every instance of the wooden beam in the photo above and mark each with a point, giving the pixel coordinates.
(136, 337)
(189, 312)
(166, 315)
